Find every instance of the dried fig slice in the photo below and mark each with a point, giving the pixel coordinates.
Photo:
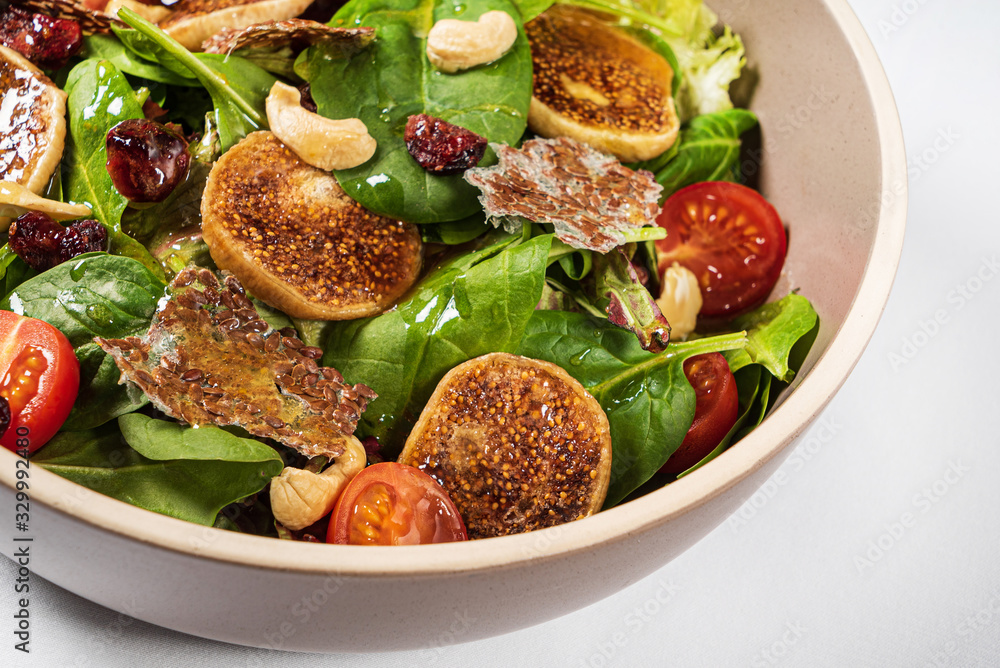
(297, 241)
(518, 444)
(194, 21)
(32, 125)
(294, 33)
(596, 84)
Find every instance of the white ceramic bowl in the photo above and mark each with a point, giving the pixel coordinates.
(834, 166)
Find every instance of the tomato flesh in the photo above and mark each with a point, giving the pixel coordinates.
(730, 237)
(39, 379)
(716, 409)
(394, 504)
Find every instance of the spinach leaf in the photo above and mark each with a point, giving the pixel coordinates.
(646, 396)
(392, 79)
(708, 150)
(531, 8)
(93, 295)
(172, 469)
(108, 48)
(456, 232)
(472, 304)
(237, 86)
(773, 330)
(99, 98)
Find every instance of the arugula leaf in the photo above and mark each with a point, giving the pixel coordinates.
(773, 330)
(392, 79)
(708, 150)
(237, 86)
(172, 469)
(99, 98)
(472, 304)
(646, 396)
(93, 295)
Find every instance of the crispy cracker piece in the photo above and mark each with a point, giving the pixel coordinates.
(589, 197)
(294, 33)
(91, 21)
(208, 358)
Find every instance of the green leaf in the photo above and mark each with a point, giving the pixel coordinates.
(708, 150)
(99, 98)
(107, 47)
(646, 396)
(531, 8)
(172, 469)
(237, 86)
(772, 332)
(392, 79)
(93, 295)
(472, 304)
(13, 270)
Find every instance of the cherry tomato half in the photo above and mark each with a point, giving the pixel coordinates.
(730, 238)
(716, 408)
(394, 504)
(39, 378)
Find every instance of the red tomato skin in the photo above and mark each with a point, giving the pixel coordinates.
(735, 246)
(717, 407)
(415, 496)
(44, 413)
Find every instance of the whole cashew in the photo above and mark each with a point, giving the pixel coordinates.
(454, 45)
(680, 300)
(300, 498)
(322, 142)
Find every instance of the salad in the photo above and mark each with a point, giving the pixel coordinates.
(416, 271)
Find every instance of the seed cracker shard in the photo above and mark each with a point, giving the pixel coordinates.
(294, 33)
(590, 198)
(208, 358)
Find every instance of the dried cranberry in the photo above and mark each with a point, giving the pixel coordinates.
(43, 243)
(146, 160)
(4, 415)
(43, 40)
(440, 147)
(306, 100)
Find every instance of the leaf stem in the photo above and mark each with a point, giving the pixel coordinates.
(206, 74)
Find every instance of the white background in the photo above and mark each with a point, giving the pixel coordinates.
(876, 544)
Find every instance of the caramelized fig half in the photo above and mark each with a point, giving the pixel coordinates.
(297, 241)
(518, 444)
(595, 83)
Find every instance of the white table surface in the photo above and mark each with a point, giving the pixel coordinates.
(876, 544)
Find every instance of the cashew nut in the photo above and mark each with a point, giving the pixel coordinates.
(680, 300)
(321, 142)
(454, 45)
(15, 200)
(300, 498)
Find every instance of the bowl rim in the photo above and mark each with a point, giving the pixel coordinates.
(797, 411)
